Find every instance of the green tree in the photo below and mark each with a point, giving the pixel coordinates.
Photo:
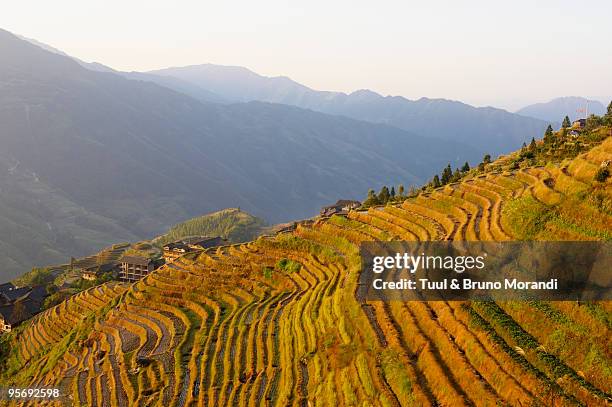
(447, 174)
(466, 167)
(487, 159)
(548, 135)
(384, 195)
(609, 110)
(532, 145)
(456, 175)
(372, 199)
(400, 190)
(392, 192)
(602, 174)
(436, 181)
(566, 122)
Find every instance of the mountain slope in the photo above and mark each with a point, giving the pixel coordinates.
(556, 109)
(145, 157)
(487, 129)
(279, 321)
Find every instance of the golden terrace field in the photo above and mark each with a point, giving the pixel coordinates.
(245, 325)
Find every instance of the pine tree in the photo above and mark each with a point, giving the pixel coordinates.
(487, 159)
(532, 145)
(466, 167)
(566, 122)
(447, 174)
(372, 199)
(609, 110)
(400, 190)
(384, 195)
(392, 192)
(436, 181)
(549, 131)
(548, 135)
(456, 175)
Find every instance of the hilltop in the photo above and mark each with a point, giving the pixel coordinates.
(231, 224)
(277, 320)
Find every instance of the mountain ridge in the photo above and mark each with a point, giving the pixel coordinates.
(146, 157)
(499, 130)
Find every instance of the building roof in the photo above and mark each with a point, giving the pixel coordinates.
(138, 260)
(100, 268)
(175, 246)
(38, 293)
(203, 241)
(12, 317)
(342, 203)
(6, 287)
(15, 294)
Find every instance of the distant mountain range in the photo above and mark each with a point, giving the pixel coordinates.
(487, 129)
(556, 109)
(91, 158)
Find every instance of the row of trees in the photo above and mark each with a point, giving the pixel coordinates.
(449, 176)
(386, 195)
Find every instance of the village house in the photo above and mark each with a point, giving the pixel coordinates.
(12, 315)
(203, 242)
(24, 303)
(10, 296)
(579, 124)
(5, 288)
(341, 207)
(174, 250)
(94, 272)
(133, 268)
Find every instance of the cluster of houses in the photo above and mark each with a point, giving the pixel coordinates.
(174, 250)
(132, 268)
(576, 126)
(341, 207)
(18, 304)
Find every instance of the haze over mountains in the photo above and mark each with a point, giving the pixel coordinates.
(555, 110)
(487, 129)
(90, 158)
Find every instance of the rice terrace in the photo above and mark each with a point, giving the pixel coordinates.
(277, 321)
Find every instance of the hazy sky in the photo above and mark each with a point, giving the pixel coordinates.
(502, 53)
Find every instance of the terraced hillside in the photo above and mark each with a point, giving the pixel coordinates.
(277, 321)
